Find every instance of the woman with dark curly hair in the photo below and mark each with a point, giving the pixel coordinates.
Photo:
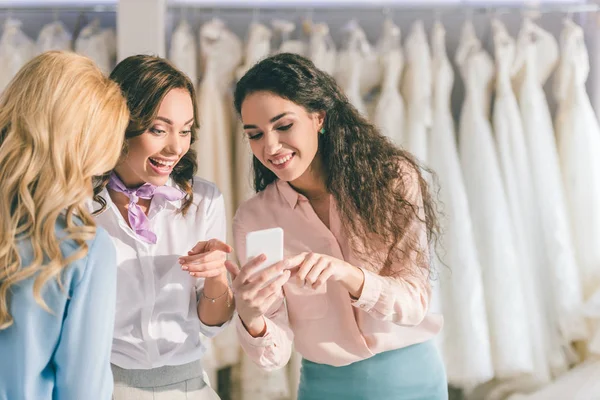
(358, 220)
(168, 227)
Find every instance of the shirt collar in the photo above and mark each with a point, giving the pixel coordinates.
(289, 194)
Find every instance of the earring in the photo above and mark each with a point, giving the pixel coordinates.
(322, 131)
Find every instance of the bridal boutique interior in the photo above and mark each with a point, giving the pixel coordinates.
(498, 98)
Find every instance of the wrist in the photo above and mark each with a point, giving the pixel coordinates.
(216, 285)
(353, 281)
(256, 327)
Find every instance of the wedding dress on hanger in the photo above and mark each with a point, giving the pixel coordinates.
(516, 172)
(183, 51)
(98, 44)
(578, 137)
(537, 53)
(16, 49)
(389, 112)
(54, 36)
(416, 90)
(494, 236)
(351, 63)
(284, 29)
(257, 47)
(465, 342)
(321, 48)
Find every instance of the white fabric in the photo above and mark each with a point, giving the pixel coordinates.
(54, 36)
(465, 340)
(284, 28)
(416, 90)
(183, 52)
(536, 49)
(156, 320)
(578, 137)
(350, 67)
(581, 383)
(16, 49)
(389, 112)
(214, 144)
(510, 340)
(370, 76)
(321, 48)
(516, 173)
(98, 44)
(258, 46)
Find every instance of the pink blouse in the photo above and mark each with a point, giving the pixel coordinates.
(327, 326)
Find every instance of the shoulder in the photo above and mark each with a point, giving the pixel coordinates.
(100, 257)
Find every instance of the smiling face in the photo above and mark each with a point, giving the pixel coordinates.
(152, 155)
(283, 136)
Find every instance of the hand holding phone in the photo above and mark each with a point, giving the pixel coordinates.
(268, 242)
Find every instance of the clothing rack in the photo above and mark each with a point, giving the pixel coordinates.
(59, 9)
(441, 8)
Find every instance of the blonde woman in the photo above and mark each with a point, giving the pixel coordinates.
(61, 122)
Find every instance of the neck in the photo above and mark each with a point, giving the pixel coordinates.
(312, 182)
(129, 181)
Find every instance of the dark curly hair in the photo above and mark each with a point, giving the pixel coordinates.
(145, 81)
(373, 182)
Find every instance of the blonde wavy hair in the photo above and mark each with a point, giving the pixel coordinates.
(61, 123)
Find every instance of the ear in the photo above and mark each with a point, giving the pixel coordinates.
(320, 119)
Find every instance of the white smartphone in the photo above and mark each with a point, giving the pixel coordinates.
(268, 242)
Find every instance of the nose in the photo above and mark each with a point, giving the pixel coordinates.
(175, 144)
(272, 144)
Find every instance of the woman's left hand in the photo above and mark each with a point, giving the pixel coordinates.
(206, 259)
(314, 270)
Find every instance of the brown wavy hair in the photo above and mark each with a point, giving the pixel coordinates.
(61, 122)
(372, 181)
(145, 81)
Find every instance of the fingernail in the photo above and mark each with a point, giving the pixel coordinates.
(192, 274)
(183, 267)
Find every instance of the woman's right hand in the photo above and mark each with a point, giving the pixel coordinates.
(253, 293)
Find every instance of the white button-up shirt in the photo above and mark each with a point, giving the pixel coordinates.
(156, 320)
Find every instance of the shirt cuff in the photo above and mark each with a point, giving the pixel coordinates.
(262, 341)
(370, 293)
(212, 330)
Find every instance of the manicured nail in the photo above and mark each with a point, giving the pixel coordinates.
(184, 267)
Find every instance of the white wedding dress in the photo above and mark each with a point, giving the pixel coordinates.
(54, 36)
(416, 91)
(494, 236)
(537, 52)
(98, 44)
(465, 342)
(16, 49)
(389, 111)
(516, 173)
(183, 52)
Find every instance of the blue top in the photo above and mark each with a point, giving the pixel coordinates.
(64, 355)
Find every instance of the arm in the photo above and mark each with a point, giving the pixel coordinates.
(214, 314)
(267, 340)
(403, 298)
(82, 357)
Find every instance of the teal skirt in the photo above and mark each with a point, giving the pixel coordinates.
(411, 373)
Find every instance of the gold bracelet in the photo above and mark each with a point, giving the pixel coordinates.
(214, 299)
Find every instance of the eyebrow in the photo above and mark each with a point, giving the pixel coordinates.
(274, 119)
(168, 121)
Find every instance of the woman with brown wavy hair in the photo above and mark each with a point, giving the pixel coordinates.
(61, 123)
(358, 221)
(168, 228)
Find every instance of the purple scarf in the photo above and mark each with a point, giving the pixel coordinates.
(137, 218)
